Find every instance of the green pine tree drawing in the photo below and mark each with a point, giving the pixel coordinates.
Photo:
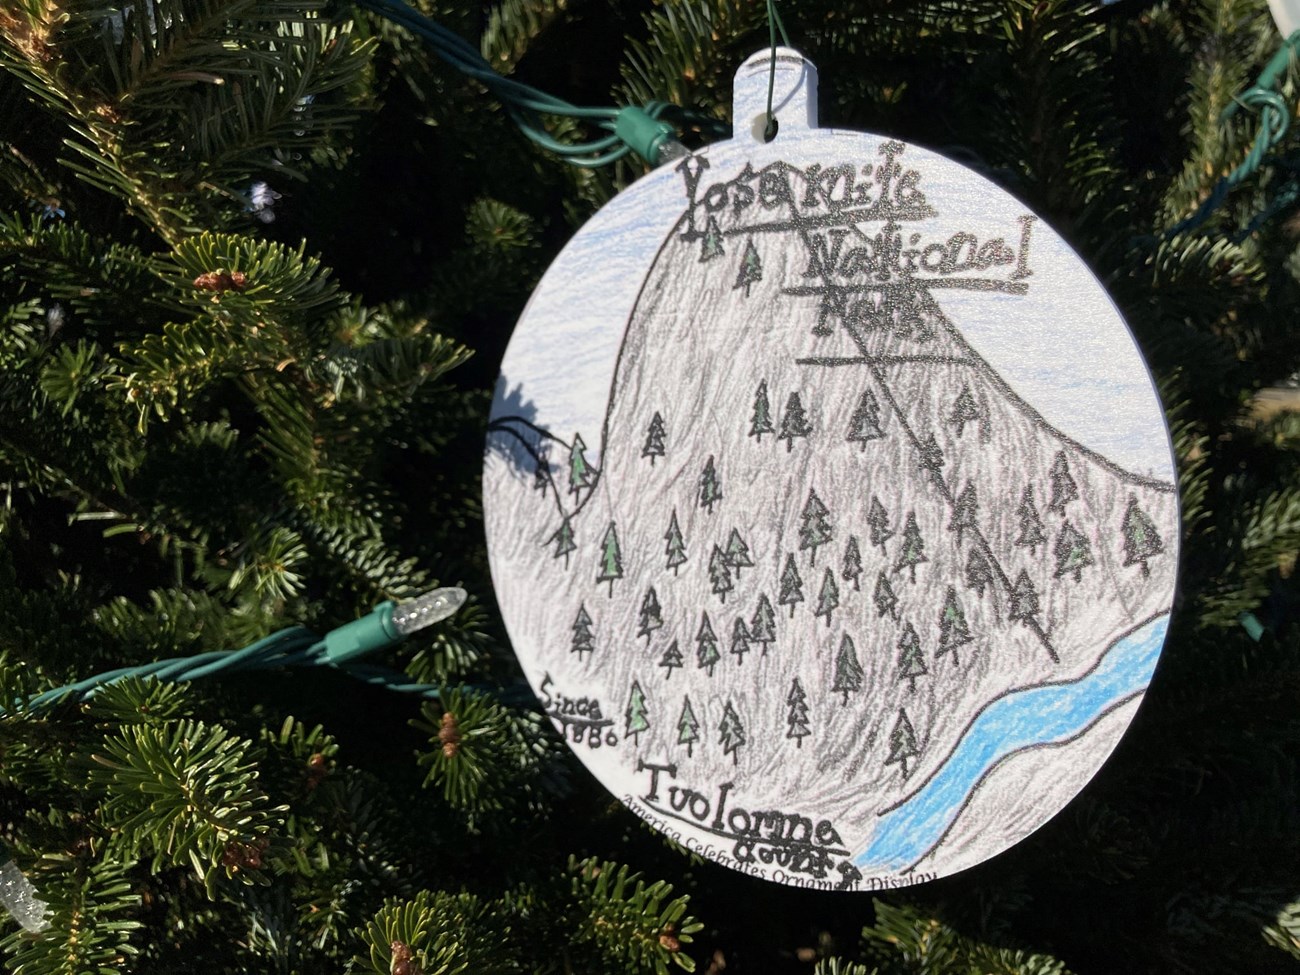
(711, 244)
(852, 570)
(791, 593)
(1141, 541)
(671, 659)
(762, 625)
(706, 654)
(651, 615)
(814, 526)
(710, 490)
(911, 660)
(581, 474)
(794, 422)
(654, 439)
(902, 743)
(864, 424)
(848, 672)
(688, 727)
(720, 574)
(761, 420)
(953, 629)
(562, 539)
(1031, 527)
(635, 715)
(611, 558)
(1073, 552)
(751, 268)
(731, 733)
(828, 600)
(878, 522)
(739, 640)
(965, 511)
(736, 553)
(1064, 490)
(676, 545)
(911, 552)
(979, 574)
(796, 720)
(583, 637)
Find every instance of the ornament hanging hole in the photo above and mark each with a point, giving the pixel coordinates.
(765, 127)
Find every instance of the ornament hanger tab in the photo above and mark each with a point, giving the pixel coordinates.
(794, 101)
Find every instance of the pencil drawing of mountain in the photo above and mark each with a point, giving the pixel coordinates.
(826, 598)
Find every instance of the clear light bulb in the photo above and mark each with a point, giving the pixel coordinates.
(18, 896)
(416, 614)
(1286, 14)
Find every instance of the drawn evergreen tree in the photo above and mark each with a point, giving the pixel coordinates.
(1073, 552)
(979, 574)
(676, 547)
(762, 625)
(848, 672)
(864, 424)
(710, 491)
(688, 727)
(583, 638)
(635, 714)
(720, 574)
(737, 553)
(761, 422)
(1024, 600)
(878, 521)
(541, 471)
(654, 439)
(706, 653)
(794, 422)
(1141, 542)
(965, 510)
(902, 743)
(581, 473)
(791, 586)
(711, 242)
(1064, 490)
(829, 598)
(672, 658)
(611, 559)
(964, 410)
(739, 640)
(651, 618)
(751, 269)
(931, 459)
(912, 551)
(562, 538)
(815, 527)
(911, 660)
(852, 570)
(1031, 527)
(731, 733)
(884, 598)
(953, 629)
(797, 718)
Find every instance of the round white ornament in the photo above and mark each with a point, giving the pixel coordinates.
(830, 507)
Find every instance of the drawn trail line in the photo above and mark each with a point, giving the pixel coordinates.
(878, 374)
(1033, 717)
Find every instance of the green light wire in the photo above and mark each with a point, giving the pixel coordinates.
(386, 626)
(644, 130)
(773, 24)
(1275, 119)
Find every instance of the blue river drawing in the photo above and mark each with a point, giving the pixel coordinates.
(1031, 717)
